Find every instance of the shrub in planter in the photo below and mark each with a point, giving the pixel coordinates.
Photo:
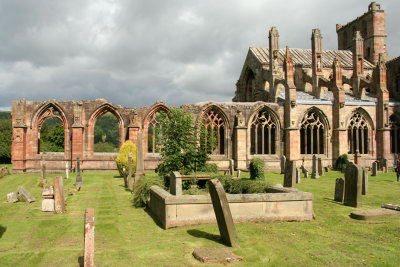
(142, 189)
(256, 169)
(122, 159)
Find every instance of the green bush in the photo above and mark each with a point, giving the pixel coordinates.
(340, 163)
(256, 169)
(104, 147)
(122, 159)
(210, 168)
(142, 189)
(242, 186)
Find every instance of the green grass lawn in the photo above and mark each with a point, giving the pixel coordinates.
(128, 236)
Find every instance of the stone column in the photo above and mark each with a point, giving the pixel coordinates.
(59, 201)
(77, 141)
(283, 164)
(175, 184)
(314, 174)
(78, 182)
(240, 142)
(43, 171)
(88, 258)
(66, 170)
(139, 157)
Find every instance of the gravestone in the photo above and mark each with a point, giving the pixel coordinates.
(289, 179)
(48, 192)
(238, 173)
(139, 157)
(43, 171)
(130, 184)
(48, 205)
(326, 169)
(223, 213)
(24, 195)
(67, 170)
(305, 172)
(124, 174)
(215, 255)
(365, 181)
(314, 174)
(231, 167)
(320, 167)
(339, 189)
(78, 182)
(353, 185)
(374, 168)
(298, 175)
(384, 165)
(283, 164)
(88, 254)
(59, 200)
(175, 184)
(12, 197)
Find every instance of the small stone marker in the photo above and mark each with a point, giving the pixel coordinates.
(305, 171)
(223, 213)
(139, 157)
(12, 197)
(385, 165)
(298, 175)
(320, 167)
(289, 179)
(215, 255)
(43, 171)
(231, 166)
(326, 169)
(24, 195)
(391, 206)
(88, 258)
(283, 164)
(130, 184)
(374, 168)
(339, 189)
(374, 214)
(124, 174)
(353, 185)
(365, 181)
(48, 192)
(314, 174)
(78, 182)
(66, 170)
(238, 173)
(59, 200)
(175, 184)
(48, 205)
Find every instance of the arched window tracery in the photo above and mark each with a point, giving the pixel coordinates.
(358, 134)
(312, 134)
(154, 133)
(212, 132)
(263, 133)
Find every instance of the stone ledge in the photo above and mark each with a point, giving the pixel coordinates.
(374, 214)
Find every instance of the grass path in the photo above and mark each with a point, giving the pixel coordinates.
(128, 236)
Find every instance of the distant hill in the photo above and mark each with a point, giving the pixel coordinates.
(5, 115)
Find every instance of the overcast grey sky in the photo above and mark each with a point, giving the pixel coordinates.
(133, 52)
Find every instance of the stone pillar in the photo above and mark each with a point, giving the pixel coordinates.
(88, 258)
(130, 184)
(316, 51)
(43, 171)
(59, 201)
(315, 173)
(240, 143)
(18, 147)
(66, 170)
(133, 133)
(139, 157)
(353, 185)
(78, 182)
(77, 142)
(175, 184)
(358, 64)
(231, 167)
(273, 62)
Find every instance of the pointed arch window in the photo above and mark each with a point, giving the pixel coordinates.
(312, 134)
(154, 133)
(250, 84)
(358, 134)
(212, 132)
(263, 133)
(394, 122)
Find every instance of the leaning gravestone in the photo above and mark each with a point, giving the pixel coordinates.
(78, 182)
(289, 179)
(353, 185)
(223, 213)
(24, 195)
(320, 167)
(374, 168)
(12, 197)
(314, 174)
(339, 189)
(283, 164)
(365, 181)
(59, 200)
(88, 258)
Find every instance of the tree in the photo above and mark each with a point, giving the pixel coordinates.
(179, 144)
(5, 140)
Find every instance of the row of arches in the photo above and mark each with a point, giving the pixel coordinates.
(264, 130)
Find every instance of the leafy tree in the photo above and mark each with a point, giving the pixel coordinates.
(106, 131)
(52, 136)
(180, 147)
(5, 140)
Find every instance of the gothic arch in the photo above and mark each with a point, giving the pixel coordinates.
(360, 130)
(394, 122)
(263, 132)
(249, 84)
(214, 118)
(44, 112)
(151, 119)
(101, 110)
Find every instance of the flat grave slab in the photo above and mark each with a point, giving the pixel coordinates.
(374, 214)
(215, 255)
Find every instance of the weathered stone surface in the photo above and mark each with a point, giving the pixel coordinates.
(67, 170)
(374, 214)
(384, 165)
(315, 173)
(175, 184)
(48, 192)
(289, 179)
(139, 157)
(320, 167)
(223, 213)
(298, 178)
(339, 189)
(59, 200)
(125, 176)
(25, 195)
(365, 181)
(130, 183)
(43, 170)
(353, 185)
(48, 205)
(215, 255)
(283, 164)
(78, 182)
(12, 197)
(238, 173)
(391, 206)
(231, 167)
(88, 258)
(374, 168)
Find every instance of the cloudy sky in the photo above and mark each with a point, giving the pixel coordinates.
(133, 52)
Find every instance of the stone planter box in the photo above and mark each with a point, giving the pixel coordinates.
(282, 204)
